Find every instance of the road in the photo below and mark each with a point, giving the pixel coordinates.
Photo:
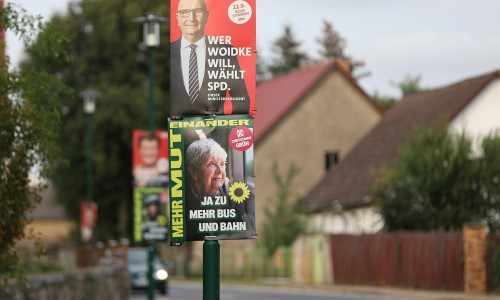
(193, 291)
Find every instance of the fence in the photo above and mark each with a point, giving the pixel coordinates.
(112, 253)
(493, 261)
(410, 259)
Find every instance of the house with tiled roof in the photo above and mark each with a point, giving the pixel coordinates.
(311, 118)
(342, 199)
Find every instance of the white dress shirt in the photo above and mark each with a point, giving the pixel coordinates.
(200, 55)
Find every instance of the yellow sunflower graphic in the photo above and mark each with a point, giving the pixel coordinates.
(161, 221)
(239, 192)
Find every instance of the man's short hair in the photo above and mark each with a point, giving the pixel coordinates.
(203, 5)
(196, 152)
(148, 135)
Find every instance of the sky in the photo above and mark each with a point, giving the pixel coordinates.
(443, 41)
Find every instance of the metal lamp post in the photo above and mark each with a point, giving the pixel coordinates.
(89, 105)
(151, 39)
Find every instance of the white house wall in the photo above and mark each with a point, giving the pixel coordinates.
(482, 116)
(355, 221)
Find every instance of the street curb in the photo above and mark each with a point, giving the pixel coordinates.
(356, 289)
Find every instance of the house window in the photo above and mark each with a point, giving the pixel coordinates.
(331, 159)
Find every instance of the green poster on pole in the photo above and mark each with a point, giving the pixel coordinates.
(150, 214)
(211, 178)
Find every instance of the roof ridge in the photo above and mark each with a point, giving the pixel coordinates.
(493, 74)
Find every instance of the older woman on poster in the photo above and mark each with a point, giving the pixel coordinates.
(206, 165)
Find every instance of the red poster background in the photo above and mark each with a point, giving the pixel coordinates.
(219, 24)
(162, 134)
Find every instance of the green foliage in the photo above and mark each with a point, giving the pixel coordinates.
(106, 56)
(332, 47)
(30, 100)
(260, 69)
(332, 44)
(37, 266)
(409, 85)
(437, 182)
(284, 220)
(289, 57)
(386, 101)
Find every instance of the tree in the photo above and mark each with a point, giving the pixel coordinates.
(260, 69)
(283, 218)
(409, 85)
(106, 56)
(29, 124)
(386, 101)
(289, 55)
(332, 44)
(332, 47)
(437, 182)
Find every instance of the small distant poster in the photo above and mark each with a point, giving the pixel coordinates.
(150, 214)
(212, 178)
(88, 219)
(213, 55)
(150, 173)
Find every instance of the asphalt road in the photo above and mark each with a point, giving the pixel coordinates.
(193, 291)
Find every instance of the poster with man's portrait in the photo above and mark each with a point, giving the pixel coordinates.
(213, 55)
(212, 178)
(88, 219)
(150, 175)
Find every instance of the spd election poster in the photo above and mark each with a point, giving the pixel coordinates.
(213, 57)
(150, 172)
(212, 178)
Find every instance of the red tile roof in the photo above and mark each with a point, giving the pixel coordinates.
(275, 97)
(349, 183)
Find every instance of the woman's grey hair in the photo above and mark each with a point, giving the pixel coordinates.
(195, 153)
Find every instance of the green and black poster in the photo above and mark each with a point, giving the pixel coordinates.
(211, 178)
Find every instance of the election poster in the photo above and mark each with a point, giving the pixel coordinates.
(88, 219)
(213, 54)
(151, 196)
(150, 214)
(211, 178)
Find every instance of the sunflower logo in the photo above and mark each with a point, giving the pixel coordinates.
(161, 221)
(239, 192)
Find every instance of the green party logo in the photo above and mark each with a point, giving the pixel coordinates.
(239, 192)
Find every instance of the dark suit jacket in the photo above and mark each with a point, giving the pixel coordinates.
(179, 98)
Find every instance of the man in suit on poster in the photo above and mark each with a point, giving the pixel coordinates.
(192, 91)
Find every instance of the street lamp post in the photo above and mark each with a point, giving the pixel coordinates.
(151, 39)
(89, 104)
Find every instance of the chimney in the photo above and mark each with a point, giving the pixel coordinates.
(343, 65)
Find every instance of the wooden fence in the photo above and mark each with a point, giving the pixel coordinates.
(409, 259)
